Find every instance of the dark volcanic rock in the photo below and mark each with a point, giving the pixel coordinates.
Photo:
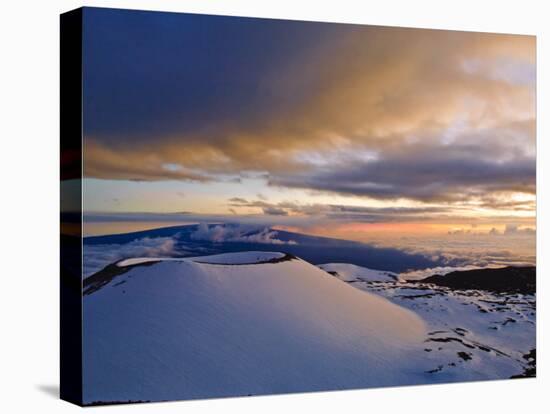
(96, 281)
(503, 280)
(531, 368)
(466, 356)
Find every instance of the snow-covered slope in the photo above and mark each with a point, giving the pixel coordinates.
(351, 273)
(239, 258)
(239, 324)
(473, 334)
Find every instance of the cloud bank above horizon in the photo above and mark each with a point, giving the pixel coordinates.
(350, 122)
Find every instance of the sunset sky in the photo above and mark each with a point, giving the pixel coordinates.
(359, 132)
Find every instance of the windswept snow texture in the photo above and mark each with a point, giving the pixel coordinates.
(182, 329)
(228, 258)
(352, 273)
(242, 258)
(473, 334)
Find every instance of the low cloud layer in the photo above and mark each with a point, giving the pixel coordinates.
(97, 256)
(464, 249)
(237, 233)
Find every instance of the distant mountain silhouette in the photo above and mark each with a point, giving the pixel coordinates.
(314, 249)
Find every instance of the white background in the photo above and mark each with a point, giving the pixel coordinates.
(29, 194)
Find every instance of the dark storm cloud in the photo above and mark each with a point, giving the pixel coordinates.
(149, 75)
(342, 212)
(202, 98)
(418, 176)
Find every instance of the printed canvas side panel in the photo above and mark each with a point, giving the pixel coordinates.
(71, 207)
